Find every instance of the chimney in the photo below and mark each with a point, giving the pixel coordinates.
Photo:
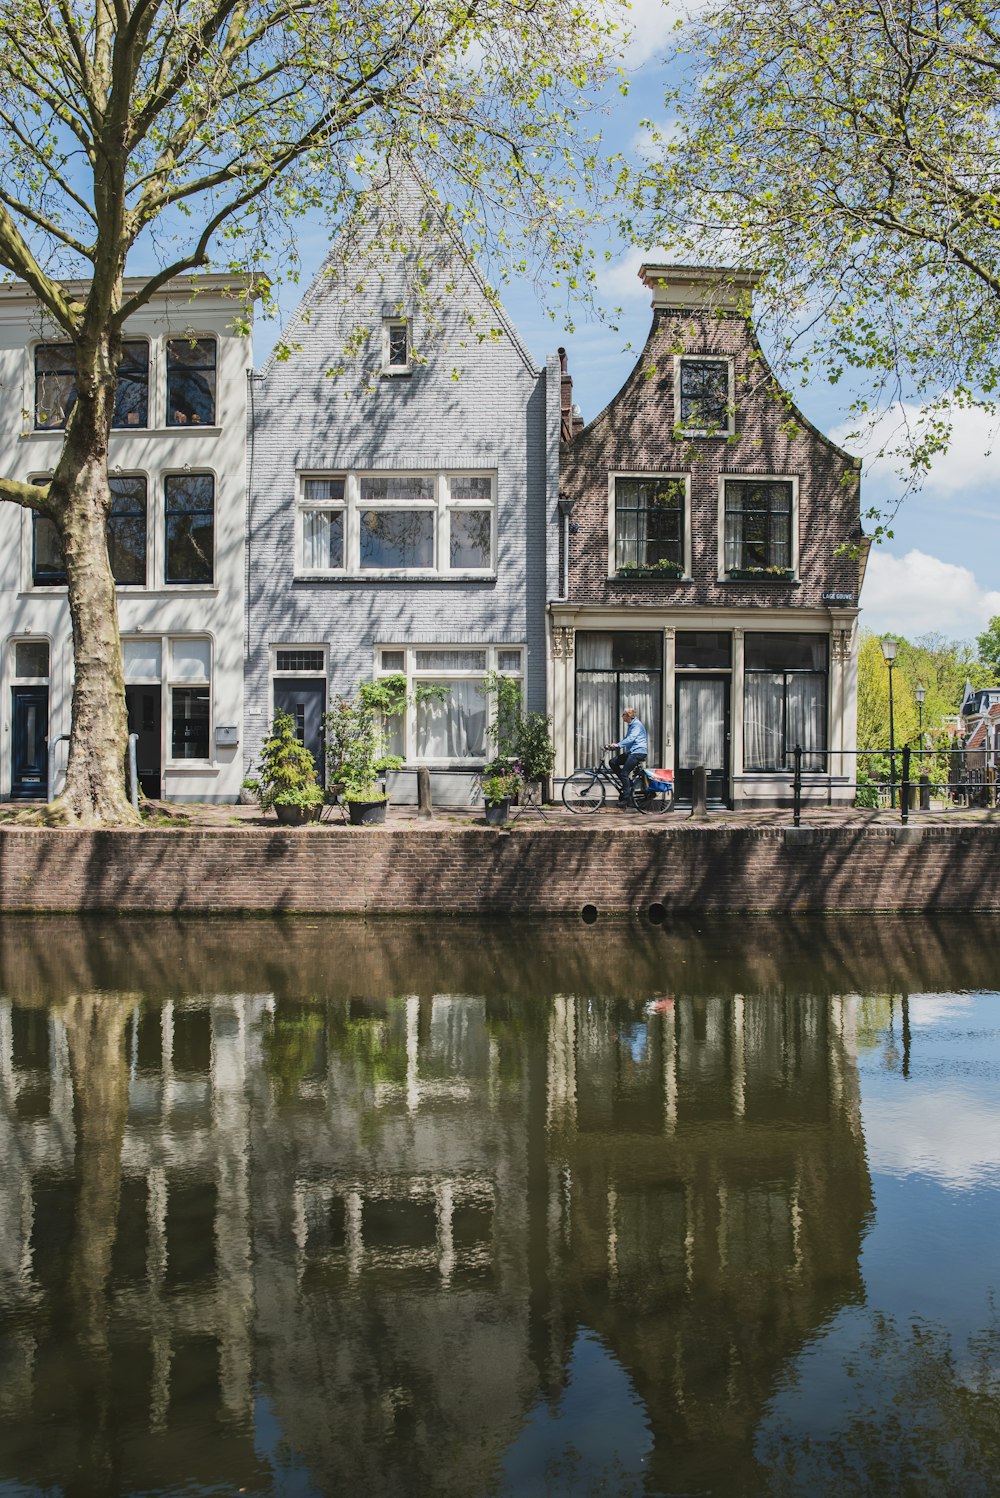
(718, 288)
(571, 421)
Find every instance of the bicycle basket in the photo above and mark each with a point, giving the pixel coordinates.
(661, 780)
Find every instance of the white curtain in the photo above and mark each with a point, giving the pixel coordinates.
(806, 723)
(322, 543)
(593, 652)
(762, 721)
(701, 724)
(596, 704)
(641, 691)
(454, 728)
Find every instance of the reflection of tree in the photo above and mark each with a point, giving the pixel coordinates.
(922, 1420)
(291, 1046)
(95, 1029)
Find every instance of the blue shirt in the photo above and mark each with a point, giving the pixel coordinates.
(635, 741)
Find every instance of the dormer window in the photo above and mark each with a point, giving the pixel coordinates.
(395, 346)
(704, 396)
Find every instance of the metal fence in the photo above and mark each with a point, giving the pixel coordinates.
(908, 779)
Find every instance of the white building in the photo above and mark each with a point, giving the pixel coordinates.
(178, 473)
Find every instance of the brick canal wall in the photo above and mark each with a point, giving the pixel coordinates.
(543, 870)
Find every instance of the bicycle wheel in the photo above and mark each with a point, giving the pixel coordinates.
(583, 791)
(647, 798)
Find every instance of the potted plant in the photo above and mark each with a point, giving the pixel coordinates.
(357, 759)
(661, 569)
(535, 752)
(287, 777)
(501, 784)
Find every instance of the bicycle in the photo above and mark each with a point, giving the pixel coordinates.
(586, 790)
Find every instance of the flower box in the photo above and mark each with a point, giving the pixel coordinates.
(761, 574)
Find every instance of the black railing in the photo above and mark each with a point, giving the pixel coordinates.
(970, 781)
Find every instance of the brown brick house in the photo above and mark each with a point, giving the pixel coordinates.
(704, 575)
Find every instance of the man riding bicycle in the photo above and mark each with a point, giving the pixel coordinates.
(632, 749)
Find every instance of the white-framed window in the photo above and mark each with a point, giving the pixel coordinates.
(758, 526)
(704, 395)
(448, 711)
(396, 346)
(649, 531)
(30, 661)
(181, 665)
(386, 524)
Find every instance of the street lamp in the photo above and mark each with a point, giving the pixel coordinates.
(889, 648)
(921, 696)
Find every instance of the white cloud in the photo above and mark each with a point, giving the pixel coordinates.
(647, 142)
(969, 463)
(917, 594)
(651, 26)
(619, 282)
(947, 1135)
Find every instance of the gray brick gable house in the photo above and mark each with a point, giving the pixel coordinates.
(403, 467)
(710, 541)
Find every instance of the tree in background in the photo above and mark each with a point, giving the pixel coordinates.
(143, 131)
(988, 646)
(847, 149)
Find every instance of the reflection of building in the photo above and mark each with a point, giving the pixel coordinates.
(384, 1221)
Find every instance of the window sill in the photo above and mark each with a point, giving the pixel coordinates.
(648, 577)
(137, 431)
(395, 576)
(720, 435)
(744, 575)
(173, 766)
(397, 374)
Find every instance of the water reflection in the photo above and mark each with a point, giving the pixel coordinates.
(330, 1207)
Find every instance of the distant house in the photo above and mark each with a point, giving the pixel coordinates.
(977, 700)
(711, 558)
(175, 539)
(403, 471)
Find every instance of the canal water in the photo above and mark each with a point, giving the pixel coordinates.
(495, 1211)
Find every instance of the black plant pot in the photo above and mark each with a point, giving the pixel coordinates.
(367, 813)
(296, 816)
(497, 814)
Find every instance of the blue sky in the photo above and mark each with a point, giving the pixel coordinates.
(940, 573)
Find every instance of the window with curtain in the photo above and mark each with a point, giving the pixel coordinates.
(448, 708)
(649, 522)
(784, 700)
(616, 669)
(758, 524)
(368, 523)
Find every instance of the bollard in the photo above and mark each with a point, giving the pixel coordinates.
(925, 793)
(797, 788)
(425, 806)
(904, 787)
(699, 794)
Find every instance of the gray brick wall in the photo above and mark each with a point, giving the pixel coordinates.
(477, 402)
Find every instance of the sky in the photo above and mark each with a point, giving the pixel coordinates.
(940, 571)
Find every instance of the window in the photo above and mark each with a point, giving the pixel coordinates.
(31, 660)
(448, 711)
(189, 518)
(758, 525)
(323, 524)
(395, 345)
(370, 523)
(48, 568)
(649, 525)
(190, 698)
(297, 661)
(703, 650)
(704, 396)
(55, 385)
(191, 381)
(784, 700)
(127, 530)
(616, 669)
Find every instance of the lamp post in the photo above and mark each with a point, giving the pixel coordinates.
(889, 648)
(921, 696)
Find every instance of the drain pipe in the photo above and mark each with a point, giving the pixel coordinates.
(133, 771)
(566, 504)
(62, 739)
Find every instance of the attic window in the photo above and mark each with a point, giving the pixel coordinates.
(704, 396)
(395, 346)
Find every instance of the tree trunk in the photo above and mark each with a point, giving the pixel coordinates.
(95, 792)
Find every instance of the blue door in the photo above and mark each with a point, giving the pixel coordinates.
(305, 699)
(29, 771)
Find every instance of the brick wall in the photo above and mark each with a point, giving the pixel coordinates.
(476, 869)
(636, 433)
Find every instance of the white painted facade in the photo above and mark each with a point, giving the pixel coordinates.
(180, 637)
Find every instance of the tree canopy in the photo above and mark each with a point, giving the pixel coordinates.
(848, 150)
(150, 139)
